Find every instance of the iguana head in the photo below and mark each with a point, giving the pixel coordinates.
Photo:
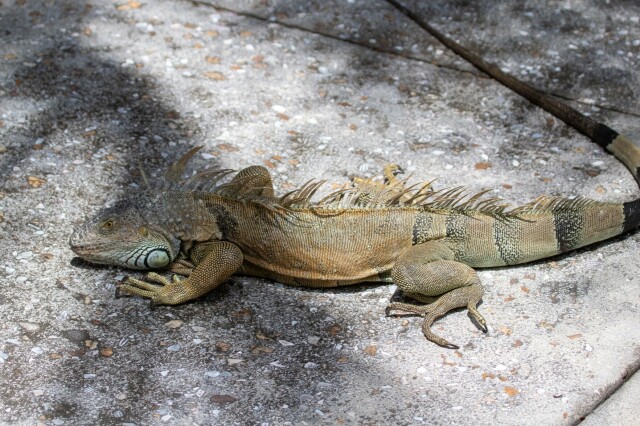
(120, 236)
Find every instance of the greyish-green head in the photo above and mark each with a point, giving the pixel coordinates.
(120, 236)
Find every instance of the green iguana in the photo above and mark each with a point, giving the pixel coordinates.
(425, 241)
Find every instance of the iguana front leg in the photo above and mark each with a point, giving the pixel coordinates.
(215, 262)
(182, 267)
(428, 273)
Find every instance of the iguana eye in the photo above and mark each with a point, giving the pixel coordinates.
(108, 225)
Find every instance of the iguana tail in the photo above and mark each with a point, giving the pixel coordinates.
(619, 145)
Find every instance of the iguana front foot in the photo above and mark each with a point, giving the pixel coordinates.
(215, 262)
(182, 267)
(166, 293)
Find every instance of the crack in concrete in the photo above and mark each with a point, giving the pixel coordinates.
(611, 389)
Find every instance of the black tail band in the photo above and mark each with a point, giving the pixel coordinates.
(603, 135)
(631, 215)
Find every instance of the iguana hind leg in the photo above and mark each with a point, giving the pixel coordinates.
(428, 273)
(214, 261)
(389, 174)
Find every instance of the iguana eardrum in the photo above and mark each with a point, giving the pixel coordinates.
(426, 241)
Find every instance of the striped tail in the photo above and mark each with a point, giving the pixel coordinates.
(619, 145)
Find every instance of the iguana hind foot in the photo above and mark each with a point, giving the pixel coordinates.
(430, 315)
(425, 272)
(440, 307)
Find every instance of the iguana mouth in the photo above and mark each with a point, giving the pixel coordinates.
(86, 251)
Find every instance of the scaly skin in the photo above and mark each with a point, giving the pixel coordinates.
(426, 242)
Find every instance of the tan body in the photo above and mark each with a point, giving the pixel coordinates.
(302, 246)
(369, 242)
(426, 242)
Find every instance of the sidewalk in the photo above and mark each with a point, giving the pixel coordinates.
(331, 90)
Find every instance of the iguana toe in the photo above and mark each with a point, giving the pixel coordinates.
(479, 319)
(163, 294)
(426, 311)
(483, 326)
(406, 309)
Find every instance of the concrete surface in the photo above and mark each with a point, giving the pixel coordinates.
(620, 409)
(91, 90)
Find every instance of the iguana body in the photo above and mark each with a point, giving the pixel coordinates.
(426, 241)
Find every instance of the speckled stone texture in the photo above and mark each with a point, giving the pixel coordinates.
(91, 90)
